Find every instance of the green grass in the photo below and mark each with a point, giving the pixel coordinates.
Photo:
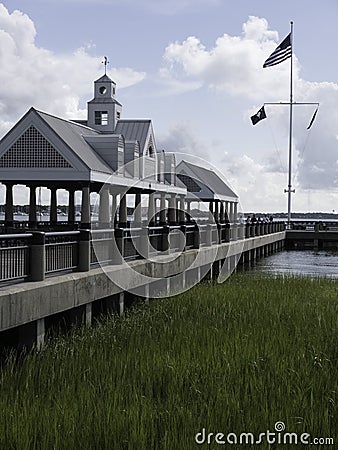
(236, 357)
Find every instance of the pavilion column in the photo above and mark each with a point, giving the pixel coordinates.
(71, 205)
(235, 212)
(104, 216)
(113, 210)
(216, 215)
(211, 209)
(226, 211)
(188, 210)
(123, 211)
(172, 210)
(85, 207)
(221, 212)
(9, 205)
(181, 210)
(230, 212)
(163, 213)
(53, 206)
(32, 206)
(151, 209)
(138, 209)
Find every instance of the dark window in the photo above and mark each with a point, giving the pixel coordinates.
(101, 117)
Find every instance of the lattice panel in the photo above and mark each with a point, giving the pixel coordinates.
(33, 150)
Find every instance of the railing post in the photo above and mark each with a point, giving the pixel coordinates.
(84, 251)
(227, 232)
(234, 231)
(165, 239)
(119, 245)
(240, 231)
(208, 235)
(144, 242)
(196, 236)
(183, 237)
(37, 256)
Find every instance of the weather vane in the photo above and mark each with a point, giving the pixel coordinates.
(105, 62)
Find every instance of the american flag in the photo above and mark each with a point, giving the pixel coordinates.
(282, 52)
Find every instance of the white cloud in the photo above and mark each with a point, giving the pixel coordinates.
(180, 139)
(233, 66)
(37, 77)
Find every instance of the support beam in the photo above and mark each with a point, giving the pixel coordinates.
(40, 333)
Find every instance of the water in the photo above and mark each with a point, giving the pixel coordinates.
(306, 263)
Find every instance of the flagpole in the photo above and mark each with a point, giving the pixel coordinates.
(289, 189)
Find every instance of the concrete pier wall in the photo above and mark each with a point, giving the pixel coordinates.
(28, 306)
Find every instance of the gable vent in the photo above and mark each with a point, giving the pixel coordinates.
(33, 150)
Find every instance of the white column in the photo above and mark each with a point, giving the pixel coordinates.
(172, 210)
(181, 210)
(85, 206)
(163, 215)
(151, 209)
(123, 210)
(104, 216)
(138, 209)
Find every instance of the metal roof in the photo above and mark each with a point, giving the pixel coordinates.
(210, 179)
(135, 130)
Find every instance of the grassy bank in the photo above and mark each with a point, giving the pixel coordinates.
(236, 357)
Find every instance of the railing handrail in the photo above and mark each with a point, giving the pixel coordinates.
(40, 255)
(16, 236)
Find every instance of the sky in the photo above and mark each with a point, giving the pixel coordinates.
(195, 68)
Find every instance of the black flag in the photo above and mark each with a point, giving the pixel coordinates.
(260, 115)
(312, 120)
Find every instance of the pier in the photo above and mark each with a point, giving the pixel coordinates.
(73, 276)
(318, 235)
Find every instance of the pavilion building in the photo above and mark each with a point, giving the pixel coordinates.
(105, 154)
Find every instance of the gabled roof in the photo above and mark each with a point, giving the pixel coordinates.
(104, 79)
(135, 130)
(207, 177)
(71, 134)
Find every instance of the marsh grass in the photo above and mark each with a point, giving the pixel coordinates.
(235, 357)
